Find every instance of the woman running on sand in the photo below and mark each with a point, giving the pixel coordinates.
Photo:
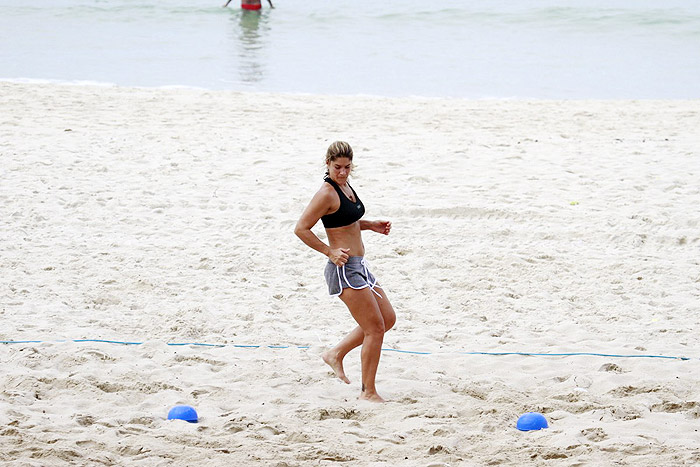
(347, 275)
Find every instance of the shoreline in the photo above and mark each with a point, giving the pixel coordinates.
(183, 87)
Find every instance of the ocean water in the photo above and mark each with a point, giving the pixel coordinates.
(468, 48)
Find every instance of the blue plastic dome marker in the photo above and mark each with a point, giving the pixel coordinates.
(531, 421)
(183, 412)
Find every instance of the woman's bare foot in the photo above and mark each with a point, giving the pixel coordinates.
(336, 363)
(371, 397)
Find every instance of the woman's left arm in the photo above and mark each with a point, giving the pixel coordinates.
(382, 227)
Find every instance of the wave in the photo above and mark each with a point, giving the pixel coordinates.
(583, 18)
(117, 11)
(675, 19)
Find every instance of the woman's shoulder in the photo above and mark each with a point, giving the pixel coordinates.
(326, 192)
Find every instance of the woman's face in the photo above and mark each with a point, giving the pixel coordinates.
(340, 169)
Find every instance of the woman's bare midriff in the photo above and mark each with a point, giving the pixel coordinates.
(349, 236)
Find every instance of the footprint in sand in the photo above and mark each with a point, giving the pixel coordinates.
(594, 434)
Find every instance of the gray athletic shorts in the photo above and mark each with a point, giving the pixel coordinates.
(353, 274)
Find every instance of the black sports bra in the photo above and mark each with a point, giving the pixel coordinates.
(347, 213)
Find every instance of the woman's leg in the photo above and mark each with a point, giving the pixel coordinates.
(334, 357)
(363, 307)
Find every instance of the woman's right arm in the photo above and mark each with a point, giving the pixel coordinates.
(320, 205)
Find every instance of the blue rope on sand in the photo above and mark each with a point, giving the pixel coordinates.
(412, 352)
(574, 354)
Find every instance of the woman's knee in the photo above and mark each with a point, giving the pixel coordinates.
(376, 328)
(389, 321)
(388, 315)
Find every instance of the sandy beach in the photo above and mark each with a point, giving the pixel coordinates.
(161, 216)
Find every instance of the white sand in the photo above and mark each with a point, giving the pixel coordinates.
(162, 216)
